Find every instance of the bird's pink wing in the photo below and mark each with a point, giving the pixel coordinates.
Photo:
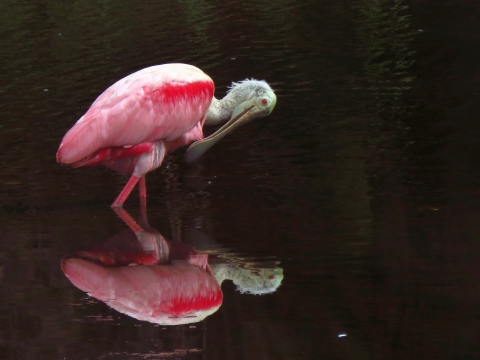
(161, 102)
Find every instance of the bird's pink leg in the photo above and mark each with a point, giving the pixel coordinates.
(142, 187)
(127, 189)
(142, 190)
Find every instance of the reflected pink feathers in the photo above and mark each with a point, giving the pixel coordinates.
(148, 293)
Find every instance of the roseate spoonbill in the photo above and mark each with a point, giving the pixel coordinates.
(133, 124)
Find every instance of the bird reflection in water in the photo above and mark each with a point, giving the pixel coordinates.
(142, 275)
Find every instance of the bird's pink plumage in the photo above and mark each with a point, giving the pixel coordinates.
(165, 102)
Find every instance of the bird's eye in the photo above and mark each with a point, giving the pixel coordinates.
(260, 91)
(264, 102)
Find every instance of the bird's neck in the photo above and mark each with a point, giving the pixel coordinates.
(221, 110)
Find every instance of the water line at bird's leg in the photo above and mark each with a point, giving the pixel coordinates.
(127, 189)
(127, 219)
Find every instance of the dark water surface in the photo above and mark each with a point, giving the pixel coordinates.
(362, 186)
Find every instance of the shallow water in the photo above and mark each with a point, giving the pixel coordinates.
(361, 186)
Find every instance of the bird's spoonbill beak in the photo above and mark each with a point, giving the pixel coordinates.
(253, 108)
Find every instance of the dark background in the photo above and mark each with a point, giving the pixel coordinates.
(363, 182)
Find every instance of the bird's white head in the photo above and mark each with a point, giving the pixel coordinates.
(248, 93)
(246, 100)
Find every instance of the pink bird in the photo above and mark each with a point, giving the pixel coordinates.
(133, 124)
